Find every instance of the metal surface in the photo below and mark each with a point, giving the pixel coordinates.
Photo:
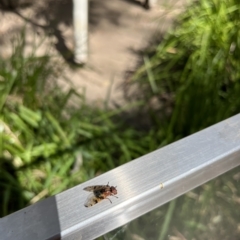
(143, 184)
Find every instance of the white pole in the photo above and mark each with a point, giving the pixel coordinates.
(80, 22)
(153, 3)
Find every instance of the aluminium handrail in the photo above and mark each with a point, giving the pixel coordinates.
(142, 184)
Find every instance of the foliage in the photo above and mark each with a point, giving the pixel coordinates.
(50, 139)
(194, 73)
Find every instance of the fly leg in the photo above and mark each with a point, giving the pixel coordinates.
(113, 195)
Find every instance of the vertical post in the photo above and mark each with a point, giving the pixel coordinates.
(149, 3)
(80, 22)
(153, 3)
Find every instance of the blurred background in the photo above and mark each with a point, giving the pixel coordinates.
(153, 76)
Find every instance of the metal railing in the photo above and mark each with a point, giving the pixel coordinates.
(142, 184)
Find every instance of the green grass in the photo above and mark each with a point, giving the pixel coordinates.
(194, 72)
(52, 140)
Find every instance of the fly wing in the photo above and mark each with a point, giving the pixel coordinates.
(94, 188)
(89, 189)
(91, 200)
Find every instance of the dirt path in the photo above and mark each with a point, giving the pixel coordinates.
(117, 30)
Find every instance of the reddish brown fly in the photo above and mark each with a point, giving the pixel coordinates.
(99, 193)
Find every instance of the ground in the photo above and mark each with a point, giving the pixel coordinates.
(118, 30)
